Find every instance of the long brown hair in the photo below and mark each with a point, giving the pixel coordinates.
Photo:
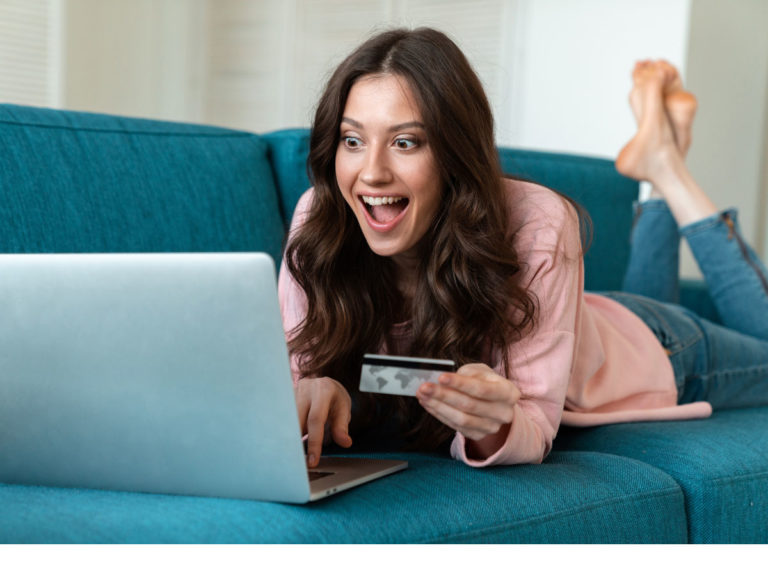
(469, 303)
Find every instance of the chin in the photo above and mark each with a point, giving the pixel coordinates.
(383, 250)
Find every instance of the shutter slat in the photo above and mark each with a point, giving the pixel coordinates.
(25, 52)
(281, 53)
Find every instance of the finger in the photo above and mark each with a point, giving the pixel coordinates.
(485, 385)
(316, 419)
(302, 408)
(339, 417)
(479, 371)
(501, 410)
(471, 426)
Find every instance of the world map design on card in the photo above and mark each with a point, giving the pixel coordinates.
(400, 375)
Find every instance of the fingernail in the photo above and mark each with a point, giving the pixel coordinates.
(428, 389)
(444, 378)
(312, 460)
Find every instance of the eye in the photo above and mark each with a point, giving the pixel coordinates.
(405, 143)
(351, 142)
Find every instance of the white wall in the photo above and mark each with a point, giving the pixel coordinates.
(728, 71)
(572, 81)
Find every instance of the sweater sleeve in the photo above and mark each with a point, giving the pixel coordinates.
(549, 247)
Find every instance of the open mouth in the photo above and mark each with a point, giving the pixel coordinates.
(383, 210)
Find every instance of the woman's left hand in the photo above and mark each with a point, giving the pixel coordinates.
(475, 401)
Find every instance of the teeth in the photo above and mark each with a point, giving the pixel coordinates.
(377, 201)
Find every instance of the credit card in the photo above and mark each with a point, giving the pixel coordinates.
(400, 375)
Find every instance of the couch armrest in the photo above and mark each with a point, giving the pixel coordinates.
(694, 295)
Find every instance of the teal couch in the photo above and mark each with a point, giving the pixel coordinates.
(78, 182)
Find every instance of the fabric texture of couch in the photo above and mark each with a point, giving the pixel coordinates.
(79, 182)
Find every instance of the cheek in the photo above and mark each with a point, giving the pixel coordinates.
(344, 175)
(430, 188)
(431, 209)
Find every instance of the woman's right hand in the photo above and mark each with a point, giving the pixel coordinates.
(323, 403)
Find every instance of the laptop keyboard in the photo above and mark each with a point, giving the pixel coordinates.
(317, 475)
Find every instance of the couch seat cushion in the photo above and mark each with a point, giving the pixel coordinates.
(572, 497)
(721, 463)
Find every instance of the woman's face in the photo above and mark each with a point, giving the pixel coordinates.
(385, 167)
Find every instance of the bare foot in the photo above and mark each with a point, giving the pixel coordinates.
(646, 155)
(679, 104)
(681, 108)
(635, 97)
(653, 154)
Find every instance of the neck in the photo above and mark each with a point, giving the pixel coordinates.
(406, 273)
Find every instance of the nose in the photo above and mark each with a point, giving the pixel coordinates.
(376, 169)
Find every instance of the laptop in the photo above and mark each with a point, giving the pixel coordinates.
(160, 373)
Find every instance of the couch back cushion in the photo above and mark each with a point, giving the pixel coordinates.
(601, 191)
(288, 153)
(592, 182)
(80, 182)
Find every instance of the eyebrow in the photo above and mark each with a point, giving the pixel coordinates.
(395, 128)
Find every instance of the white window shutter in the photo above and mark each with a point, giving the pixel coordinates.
(270, 59)
(29, 54)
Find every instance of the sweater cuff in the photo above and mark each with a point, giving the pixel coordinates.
(524, 445)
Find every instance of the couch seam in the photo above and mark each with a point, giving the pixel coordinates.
(739, 478)
(565, 513)
(678, 480)
(590, 160)
(133, 132)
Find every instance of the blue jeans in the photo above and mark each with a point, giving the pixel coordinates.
(726, 365)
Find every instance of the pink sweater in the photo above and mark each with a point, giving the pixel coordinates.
(589, 361)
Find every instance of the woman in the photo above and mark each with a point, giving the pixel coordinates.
(412, 243)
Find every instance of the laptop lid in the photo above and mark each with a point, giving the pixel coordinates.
(160, 373)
